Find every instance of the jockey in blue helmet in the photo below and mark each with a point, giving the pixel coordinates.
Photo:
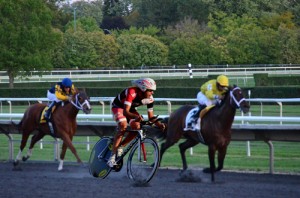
(62, 91)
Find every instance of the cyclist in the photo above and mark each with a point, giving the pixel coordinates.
(124, 112)
(211, 92)
(62, 91)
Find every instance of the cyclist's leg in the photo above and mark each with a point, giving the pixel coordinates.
(134, 126)
(122, 125)
(128, 138)
(119, 136)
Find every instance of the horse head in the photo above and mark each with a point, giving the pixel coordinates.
(238, 100)
(81, 101)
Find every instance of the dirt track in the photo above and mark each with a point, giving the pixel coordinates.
(43, 180)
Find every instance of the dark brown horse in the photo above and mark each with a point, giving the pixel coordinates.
(215, 129)
(64, 124)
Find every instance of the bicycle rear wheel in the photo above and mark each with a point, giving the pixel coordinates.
(143, 161)
(98, 159)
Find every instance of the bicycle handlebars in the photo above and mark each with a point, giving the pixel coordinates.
(149, 122)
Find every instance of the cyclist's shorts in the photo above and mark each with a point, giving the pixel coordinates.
(118, 115)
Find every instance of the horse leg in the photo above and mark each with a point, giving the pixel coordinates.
(34, 139)
(183, 146)
(221, 156)
(211, 156)
(164, 147)
(68, 141)
(22, 146)
(62, 156)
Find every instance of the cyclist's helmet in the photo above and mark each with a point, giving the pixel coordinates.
(145, 84)
(223, 80)
(67, 82)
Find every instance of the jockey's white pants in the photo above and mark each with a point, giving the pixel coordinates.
(52, 97)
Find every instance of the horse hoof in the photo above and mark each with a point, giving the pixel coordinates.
(206, 170)
(17, 166)
(188, 176)
(24, 159)
(16, 163)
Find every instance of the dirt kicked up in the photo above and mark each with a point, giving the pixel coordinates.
(40, 179)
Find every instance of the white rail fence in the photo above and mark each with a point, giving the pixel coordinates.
(103, 101)
(238, 72)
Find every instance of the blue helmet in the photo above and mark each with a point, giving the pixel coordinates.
(67, 82)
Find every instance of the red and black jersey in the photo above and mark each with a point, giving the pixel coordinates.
(131, 97)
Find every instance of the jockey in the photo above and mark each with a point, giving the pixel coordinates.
(211, 92)
(124, 112)
(62, 91)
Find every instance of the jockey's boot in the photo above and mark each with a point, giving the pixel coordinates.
(49, 110)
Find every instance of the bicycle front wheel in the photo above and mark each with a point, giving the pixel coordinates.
(143, 161)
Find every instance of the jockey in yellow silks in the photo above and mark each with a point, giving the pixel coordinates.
(62, 91)
(211, 92)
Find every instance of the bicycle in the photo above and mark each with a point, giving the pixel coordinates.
(142, 162)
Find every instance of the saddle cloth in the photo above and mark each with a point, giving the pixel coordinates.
(195, 126)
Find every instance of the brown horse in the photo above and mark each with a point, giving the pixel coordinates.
(64, 124)
(215, 129)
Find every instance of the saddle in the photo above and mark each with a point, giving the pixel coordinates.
(42, 117)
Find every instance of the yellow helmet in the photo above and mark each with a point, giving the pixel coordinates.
(223, 80)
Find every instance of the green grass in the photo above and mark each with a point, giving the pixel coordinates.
(287, 155)
(286, 160)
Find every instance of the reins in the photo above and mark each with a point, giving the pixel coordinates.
(79, 105)
(237, 103)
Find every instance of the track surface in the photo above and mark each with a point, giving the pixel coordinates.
(43, 180)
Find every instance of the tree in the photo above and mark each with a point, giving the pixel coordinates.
(27, 38)
(260, 47)
(196, 51)
(289, 45)
(138, 50)
(89, 50)
(83, 9)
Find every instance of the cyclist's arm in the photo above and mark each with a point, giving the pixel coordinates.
(158, 124)
(130, 115)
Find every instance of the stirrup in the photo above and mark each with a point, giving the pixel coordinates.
(47, 116)
(51, 127)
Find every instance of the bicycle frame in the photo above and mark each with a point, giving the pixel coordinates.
(141, 164)
(140, 136)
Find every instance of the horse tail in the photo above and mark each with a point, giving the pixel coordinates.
(163, 135)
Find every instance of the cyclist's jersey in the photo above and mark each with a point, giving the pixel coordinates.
(210, 90)
(60, 93)
(130, 96)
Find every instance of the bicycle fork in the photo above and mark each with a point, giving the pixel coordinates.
(141, 147)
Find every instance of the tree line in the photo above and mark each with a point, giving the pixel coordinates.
(100, 34)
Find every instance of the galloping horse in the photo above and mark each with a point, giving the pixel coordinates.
(215, 129)
(64, 124)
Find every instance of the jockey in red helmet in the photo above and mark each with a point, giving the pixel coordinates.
(124, 112)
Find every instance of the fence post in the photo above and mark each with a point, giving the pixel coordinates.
(190, 70)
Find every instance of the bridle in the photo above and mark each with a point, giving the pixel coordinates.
(79, 105)
(232, 98)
